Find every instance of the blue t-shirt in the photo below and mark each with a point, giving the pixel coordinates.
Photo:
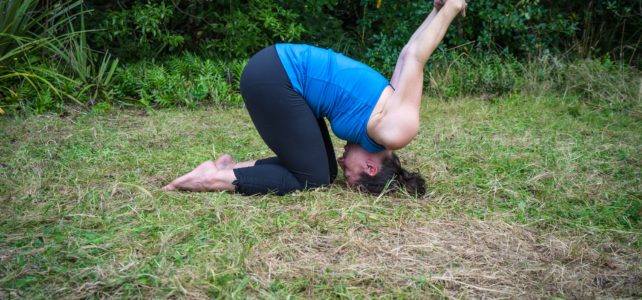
(336, 87)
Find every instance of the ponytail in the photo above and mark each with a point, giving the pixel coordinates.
(392, 177)
(412, 182)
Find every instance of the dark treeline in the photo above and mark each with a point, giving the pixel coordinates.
(368, 29)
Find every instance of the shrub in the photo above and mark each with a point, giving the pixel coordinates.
(186, 80)
(223, 29)
(25, 33)
(491, 74)
(46, 59)
(362, 28)
(143, 30)
(602, 81)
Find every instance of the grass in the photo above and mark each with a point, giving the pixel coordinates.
(529, 197)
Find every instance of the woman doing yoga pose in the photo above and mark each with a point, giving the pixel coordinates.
(288, 91)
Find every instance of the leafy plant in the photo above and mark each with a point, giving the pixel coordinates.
(145, 27)
(26, 29)
(602, 81)
(93, 72)
(186, 80)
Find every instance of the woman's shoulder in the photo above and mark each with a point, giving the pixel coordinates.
(390, 125)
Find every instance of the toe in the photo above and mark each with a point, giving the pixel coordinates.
(169, 188)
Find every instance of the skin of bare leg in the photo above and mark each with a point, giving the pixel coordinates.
(224, 162)
(202, 178)
(223, 180)
(245, 164)
(210, 176)
(227, 162)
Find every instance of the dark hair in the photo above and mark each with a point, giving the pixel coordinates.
(391, 177)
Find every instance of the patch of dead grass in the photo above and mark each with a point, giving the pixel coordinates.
(486, 259)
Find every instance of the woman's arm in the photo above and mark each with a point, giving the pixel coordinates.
(398, 122)
(438, 4)
(400, 59)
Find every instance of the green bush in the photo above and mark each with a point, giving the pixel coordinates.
(455, 74)
(45, 59)
(502, 47)
(235, 29)
(186, 80)
(28, 33)
(141, 29)
(602, 81)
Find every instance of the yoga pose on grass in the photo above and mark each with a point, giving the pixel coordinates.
(288, 90)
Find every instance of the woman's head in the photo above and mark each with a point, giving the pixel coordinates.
(375, 172)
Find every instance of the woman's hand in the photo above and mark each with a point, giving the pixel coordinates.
(458, 5)
(439, 4)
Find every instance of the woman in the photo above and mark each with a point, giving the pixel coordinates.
(289, 89)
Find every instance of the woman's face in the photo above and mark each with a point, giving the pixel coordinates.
(355, 161)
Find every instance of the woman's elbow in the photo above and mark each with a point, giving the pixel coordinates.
(406, 52)
(411, 53)
(402, 138)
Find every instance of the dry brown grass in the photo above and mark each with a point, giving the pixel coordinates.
(459, 258)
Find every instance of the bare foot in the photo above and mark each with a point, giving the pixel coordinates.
(201, 179)
(225, 162)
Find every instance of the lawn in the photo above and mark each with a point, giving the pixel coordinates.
(528, 197)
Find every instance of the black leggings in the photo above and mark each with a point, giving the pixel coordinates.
(304, 153)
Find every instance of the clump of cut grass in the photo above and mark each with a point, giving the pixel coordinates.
(528, 196)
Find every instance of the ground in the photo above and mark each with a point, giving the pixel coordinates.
(529, 197)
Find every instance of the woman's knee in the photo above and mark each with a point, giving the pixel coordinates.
(320, 180)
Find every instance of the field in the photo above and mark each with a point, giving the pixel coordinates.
(530, 197)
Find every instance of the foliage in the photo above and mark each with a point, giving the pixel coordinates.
(46, 60)
(185, 80)
(502, 47)
(93, 72)
(25, 31)
(599, 81)
(15, 20)
(602, 81)
(24, 19)
(145, 27)
(214, 27)
(363, 29)
(247, 29)
(451, 74)
(523, 27)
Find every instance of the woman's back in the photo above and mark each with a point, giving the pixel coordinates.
(336, 87)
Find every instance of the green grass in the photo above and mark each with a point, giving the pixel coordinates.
(537, 197)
